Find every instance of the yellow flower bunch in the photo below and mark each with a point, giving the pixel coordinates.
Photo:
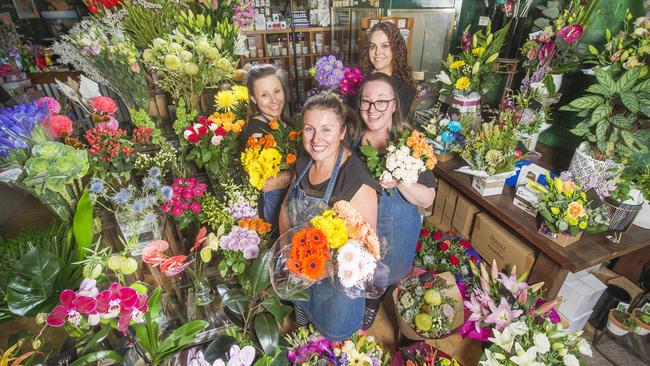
(260, 164)
(462, 83)
(333, 227)
(457, 64)
(240, 92)
(227, 121)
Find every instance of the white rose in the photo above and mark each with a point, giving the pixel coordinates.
(542, 343)
(386, 177)
(519, 328)
(216, 140)
(570, 360)
(584, 348)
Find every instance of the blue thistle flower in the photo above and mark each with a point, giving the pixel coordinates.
(122, 197)
(167, 193)
(151, 183)
(96, 186)
(154, 172)
(138, 206)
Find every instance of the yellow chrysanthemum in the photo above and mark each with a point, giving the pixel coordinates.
(457, 64)
(225, 100)
(240, 92)
(478, 51)
(555, 210)
(333, 227)
(462, 83)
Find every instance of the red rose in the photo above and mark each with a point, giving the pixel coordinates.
(202, 120)
(454, 260)
(424, 232)
(437, 235)
(444, 246)
(465, 243)
(473, 259)
(518, 154)
(418, 247)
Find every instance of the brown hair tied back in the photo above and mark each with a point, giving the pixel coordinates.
(401, 68)
(399, 123)
(258, 72)
(329, 101)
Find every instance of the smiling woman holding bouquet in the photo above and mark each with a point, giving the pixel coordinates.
(266, 87)
(385, 51)
(327, 173)
(398, 219)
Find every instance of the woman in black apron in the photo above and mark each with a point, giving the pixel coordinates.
(266, 86)
(328, 173)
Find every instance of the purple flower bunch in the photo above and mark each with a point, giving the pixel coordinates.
(329, 72)
(244, 15)
(242, 210)
(242, 240)
(318, 346)
(17, 124)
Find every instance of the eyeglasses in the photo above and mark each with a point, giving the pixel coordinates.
(380, 105)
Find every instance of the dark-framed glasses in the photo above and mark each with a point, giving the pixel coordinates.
(380, 105)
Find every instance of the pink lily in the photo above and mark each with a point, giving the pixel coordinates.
(512, 284)
(503, 315)
(475, 307)
(71, 308)
(116, 300)
(572, 33)
(135, 314)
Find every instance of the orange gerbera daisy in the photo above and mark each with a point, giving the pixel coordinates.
(316, 237)
(294, 266)
(299, 238)
(274, 124)
(313, 267)
(291, 158)
(296, 253)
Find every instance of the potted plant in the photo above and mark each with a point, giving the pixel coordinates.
(614, 112)
(469, 73)
(491, 154)
(640, 178)
(642, 318)
(566, 211)
(622, 205)
(620, 322)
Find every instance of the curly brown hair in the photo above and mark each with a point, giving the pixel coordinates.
(401, 68)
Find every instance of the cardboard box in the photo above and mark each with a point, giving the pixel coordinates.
(464, 215)
(495, 242)
(489, 186)
(627, 285)
(579, 295)
(439, 204)
(450, 208)
(605, 274)
(575, 324)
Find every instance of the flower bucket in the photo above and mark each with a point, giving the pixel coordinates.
(641, 327)
(561, 239)
(454, 293)
(489, 186)
(614, 326)
(423, 348)
(145, 231)
(466, 103)
(445, 156)
(621, 215)
(583, 166)
(643, 218)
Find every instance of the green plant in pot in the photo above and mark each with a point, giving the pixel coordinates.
(620, 322)
(642, 319)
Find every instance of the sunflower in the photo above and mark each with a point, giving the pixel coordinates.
(225, 100)
(240, 92)
(313, 267)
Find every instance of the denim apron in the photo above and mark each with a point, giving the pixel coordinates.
(331, 311)
(399, 222)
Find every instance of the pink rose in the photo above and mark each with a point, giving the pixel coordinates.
(195, 207)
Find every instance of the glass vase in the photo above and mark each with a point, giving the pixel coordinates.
(203, 292)
(144, 229)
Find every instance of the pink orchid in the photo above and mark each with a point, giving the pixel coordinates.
(153, 252)
(136, 314)
(88, 287)
(116, 300)
(572, 33)
(502, 316)
(474, 331)
(71, 308)
(512, 284)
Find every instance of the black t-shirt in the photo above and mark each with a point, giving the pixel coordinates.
(405, 94)
(353, 173)
(255, 125)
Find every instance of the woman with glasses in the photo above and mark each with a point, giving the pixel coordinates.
(385, 51)
(266, 86)
(327, 173)
(398, 219)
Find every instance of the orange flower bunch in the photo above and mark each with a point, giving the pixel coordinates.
(260, 226)
(291, 158)
(227, 121)
(421, 149)
(357, 228)
(274, 124)
(265, 142)
(309, 254)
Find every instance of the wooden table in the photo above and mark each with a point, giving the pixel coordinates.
(553, 262)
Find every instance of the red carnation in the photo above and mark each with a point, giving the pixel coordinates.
(202, 120)
(424, 232)
(444, 246)
(104, 105)
(465, 243)
(418, 247)
(454, 260)
(220, 132)
(437, 235)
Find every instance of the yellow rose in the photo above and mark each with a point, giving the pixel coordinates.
(555, 210)
(457, 64)
(568, 188)
(575, 210)
(462, 83)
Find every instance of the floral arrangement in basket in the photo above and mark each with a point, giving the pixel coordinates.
(523, 111)
(472, 69)
(531, 341)
(403, 161)
(445, 132)
(425, 305)
(492, 149)
(565, 208)
(444, 252)
(503, 299)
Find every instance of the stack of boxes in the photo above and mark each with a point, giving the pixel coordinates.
(300, 19)
(579, 294)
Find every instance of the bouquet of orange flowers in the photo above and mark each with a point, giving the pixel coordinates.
(309, 254)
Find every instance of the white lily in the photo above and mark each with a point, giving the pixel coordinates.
(570, 360)
(491, 359)
(527, 358)
(443, 78)
(504, 339)
(584, 348)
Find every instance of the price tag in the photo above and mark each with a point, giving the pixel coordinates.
(401, 23)
(622, 306)
(483, 21)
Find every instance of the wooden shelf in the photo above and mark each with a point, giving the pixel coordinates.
(286, 31)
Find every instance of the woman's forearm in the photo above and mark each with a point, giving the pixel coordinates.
(417, 194)
(280, 181)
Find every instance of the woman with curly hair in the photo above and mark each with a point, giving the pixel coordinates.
(385, 51)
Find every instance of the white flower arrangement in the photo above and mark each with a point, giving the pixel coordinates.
(356, 265)
(402, 166)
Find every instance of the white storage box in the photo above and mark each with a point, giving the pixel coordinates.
(577, 323)
(579, 295)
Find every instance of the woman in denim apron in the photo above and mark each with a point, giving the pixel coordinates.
(398, 219)
(329, 309)
(266, 86)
